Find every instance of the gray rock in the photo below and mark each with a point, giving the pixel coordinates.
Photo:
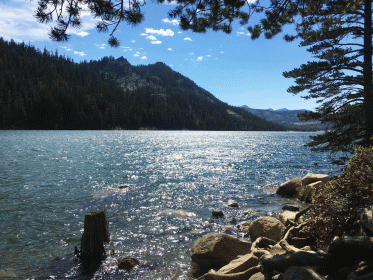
(290, 188)
(232, 203)
(312, 178)
(301, 273)
(268, 227)
(215, 250)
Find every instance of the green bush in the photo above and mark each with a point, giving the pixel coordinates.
(336, 208)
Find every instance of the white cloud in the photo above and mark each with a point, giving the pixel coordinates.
(143, 34)
(200, 58)
(174, 21)
(68, 50)
(133, 41)
(136, 55)
(179, 32)
(170, 3)
(144, 57)
(82, 34)
(187, 39)
(100, 46)
(80, 53)
(221, 52)
(239, 33)
(169, 49)
(191, 53)
(141, 48)
(156, 42)
(209, 55)
(151, 37)
(160, 32)
(171, 65)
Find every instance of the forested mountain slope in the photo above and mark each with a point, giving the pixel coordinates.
(43, 90)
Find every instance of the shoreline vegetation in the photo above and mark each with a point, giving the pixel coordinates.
(330, 238)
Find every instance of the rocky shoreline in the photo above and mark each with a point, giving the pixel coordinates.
(278, 249)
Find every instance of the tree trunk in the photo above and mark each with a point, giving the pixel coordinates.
(368, 77)
(96, 232)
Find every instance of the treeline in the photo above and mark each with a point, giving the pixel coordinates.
(44, 90)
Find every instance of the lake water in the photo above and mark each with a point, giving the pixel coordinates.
(49, 180)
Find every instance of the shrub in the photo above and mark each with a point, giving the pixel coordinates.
(336, 208)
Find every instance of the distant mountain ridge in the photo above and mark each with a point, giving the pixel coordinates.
(288, 118)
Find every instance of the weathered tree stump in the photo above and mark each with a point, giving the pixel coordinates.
(96, 232)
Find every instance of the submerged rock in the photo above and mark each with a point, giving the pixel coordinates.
(292, 208)
(217, 213)
(127, 263)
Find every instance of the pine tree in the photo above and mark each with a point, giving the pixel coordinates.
(339, 35)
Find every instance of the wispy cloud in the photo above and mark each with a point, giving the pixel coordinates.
(169, 49)
(82, 34)
(127, 49)
(100, 46)
(173, 22)
(191, 53)
(17, 22)
(241, 33)
(136, 55)
(160, 32)
(80, 53)
(187, 39)
(144, 57)
(151, 37)
(200, 58)
(133, 41)
(209, 55)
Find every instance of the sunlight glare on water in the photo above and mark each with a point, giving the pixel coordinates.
(50, 179)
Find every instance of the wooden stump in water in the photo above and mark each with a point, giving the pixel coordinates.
(96, 232)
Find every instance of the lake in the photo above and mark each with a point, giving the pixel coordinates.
(49, 180)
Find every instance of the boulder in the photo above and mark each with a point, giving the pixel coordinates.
(240, 264)
(127, 263)
(268, 227)
(286, 216)
(301, 272)
(232, 203)
(257, 276)
(215, 250)
(306, 193)
(312, 178)
(290, 188)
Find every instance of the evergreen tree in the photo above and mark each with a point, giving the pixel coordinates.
(339, 35)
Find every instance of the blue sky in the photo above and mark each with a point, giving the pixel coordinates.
(234, 68)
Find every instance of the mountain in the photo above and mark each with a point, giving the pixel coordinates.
(287, 118)
(43, 90)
